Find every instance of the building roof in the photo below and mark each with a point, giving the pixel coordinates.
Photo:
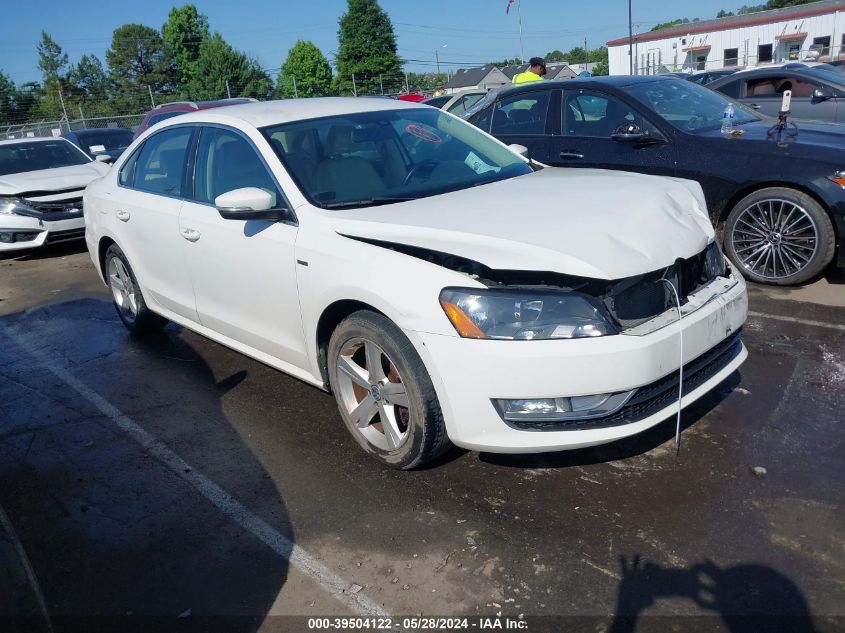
(466, 77)
(737, 21)
(553, 69)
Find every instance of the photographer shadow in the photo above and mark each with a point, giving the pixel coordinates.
(747, 597)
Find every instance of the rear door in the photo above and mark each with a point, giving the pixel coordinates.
(523, 118)
(588, 120)
(765, 94)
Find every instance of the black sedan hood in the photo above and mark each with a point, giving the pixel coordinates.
(812, 140)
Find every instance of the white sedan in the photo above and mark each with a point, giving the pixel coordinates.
(41, 185)
(440, 285)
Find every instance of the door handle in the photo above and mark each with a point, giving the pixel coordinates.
(191, 235)
(123, 216)
(754, 106)
(570, 155)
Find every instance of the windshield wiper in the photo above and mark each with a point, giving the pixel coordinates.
(366, 202)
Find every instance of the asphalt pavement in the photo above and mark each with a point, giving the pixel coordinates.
(171, 482)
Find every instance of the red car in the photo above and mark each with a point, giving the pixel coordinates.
(416, 97)
(167, 110)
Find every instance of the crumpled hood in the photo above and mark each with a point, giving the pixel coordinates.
(58, 179)
(586, 222)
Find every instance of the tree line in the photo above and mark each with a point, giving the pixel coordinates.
(186, 60)
(744, 9)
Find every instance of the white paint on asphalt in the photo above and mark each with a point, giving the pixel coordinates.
(228, 505)
(811, 322)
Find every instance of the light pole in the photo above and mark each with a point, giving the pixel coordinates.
(437, 56)
(630, 41)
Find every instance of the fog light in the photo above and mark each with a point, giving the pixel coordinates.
(563, 408)
(7, 237)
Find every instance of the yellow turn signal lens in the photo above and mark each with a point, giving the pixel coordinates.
(463, 324)
(839, 180)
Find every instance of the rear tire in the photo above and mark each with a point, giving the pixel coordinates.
(384, 393)
(126, 294)
(779, 236)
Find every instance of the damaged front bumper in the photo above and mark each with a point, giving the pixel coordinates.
(23, 227)
(473, 377)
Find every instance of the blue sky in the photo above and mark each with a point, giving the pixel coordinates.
(473, 31)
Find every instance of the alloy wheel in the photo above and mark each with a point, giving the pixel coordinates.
(774, 238)
(123, 290)
(373, 393)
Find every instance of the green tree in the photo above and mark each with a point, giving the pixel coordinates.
(219, 63)
(137, 65)
(555, 56)
(8, 92)
(577, 56)
(89, 79)
(666, 25)
(306, 65)
(601, 69)
(367, 49)
(183, 34)
(52, 62)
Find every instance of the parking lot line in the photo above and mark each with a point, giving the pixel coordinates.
(775, 317)
(223, 501)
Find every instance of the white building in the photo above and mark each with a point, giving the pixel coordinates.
(807, 31)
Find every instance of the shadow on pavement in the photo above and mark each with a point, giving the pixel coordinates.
(747, 597)
(111, 531)
(48, 251)
(624, 448)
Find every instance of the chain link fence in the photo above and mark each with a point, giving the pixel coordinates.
(55, 128)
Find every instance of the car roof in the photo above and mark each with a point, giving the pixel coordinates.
(99, 131)
(33, 139)
(189, 106)
(616, 81)
(263, 113)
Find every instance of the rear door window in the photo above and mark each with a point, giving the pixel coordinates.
(161, 163)
(521, 114)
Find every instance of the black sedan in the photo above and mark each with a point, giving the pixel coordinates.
(779, 197)
(110, 141)
(818, 92)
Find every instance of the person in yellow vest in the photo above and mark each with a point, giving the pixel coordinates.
(535, 72)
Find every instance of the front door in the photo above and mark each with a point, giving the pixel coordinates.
(244, 272)
(589, 118)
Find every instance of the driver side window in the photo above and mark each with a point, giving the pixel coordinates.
(595, 115)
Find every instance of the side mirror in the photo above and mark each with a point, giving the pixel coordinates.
(247, 203)
(519, 149)
(103, 158)
(823, 93)
(629, 133)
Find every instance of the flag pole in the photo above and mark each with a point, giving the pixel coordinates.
(521, 48)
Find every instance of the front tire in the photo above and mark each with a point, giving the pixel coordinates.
(384, 393)
(779, 236)
(126, 294)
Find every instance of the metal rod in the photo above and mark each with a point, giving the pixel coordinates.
(295, 91)
(354, 89)
(62, 99)
(228, 92)
(151, 96)
(521, 48)
(630, 41)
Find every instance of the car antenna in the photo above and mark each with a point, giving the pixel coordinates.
(782, 124)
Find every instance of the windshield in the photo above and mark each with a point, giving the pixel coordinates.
(358, 160)
(98, 141)
(16, 158)
(688, 106)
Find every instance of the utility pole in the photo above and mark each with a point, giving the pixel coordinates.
(295, 91)
(62, 99)
(381, 83)
(407, 90)
(630, 41)
(82, 116)
(521, 48)
(151, 95)
(228, 92)
(354, 89)
(437, 55)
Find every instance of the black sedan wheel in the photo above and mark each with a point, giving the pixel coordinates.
(779, 236)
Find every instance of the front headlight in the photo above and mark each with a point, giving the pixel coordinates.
(714, 262)
(8, 205)
(517, 314)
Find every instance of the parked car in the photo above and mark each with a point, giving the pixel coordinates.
(41, 184)
(709, 76)
(165, 111)
(439, 285)
(818, 92)
(109, 142)
(413, 97)
(457, 103)
(779, 198)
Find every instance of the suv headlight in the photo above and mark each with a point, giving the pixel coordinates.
(714, 261)
(524, 314)
(9, 206)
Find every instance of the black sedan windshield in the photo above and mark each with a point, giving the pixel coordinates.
(98, 141)
(16, 158)
(687, 105)
(367, 158)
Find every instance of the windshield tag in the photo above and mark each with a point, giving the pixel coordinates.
(479, 166)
